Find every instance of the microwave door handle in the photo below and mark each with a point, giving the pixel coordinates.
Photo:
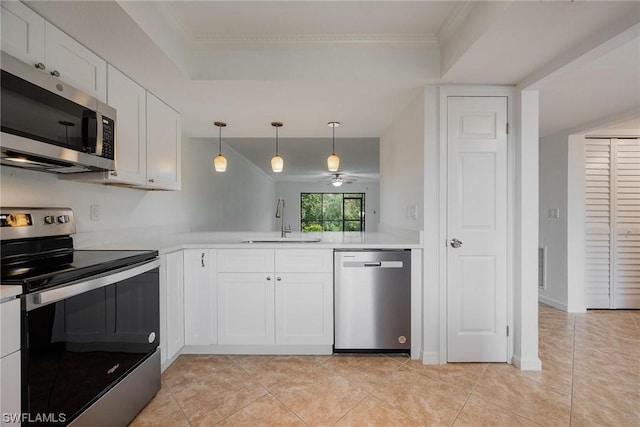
(46, 297)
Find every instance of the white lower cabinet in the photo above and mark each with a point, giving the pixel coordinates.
(10, 389)
(304, 313)
(245, 308)
(171, 305)
(258, 303)
(200, 297)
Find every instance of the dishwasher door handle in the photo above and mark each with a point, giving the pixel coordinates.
(373, 264)
(379, 264)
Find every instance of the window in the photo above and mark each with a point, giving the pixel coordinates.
(332, 212)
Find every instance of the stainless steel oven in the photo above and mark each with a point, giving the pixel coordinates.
(90, 322)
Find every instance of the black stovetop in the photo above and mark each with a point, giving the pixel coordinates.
(68, 266)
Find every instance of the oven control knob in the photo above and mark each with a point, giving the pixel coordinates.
(63, 219)
(152, 337)
(49, 219)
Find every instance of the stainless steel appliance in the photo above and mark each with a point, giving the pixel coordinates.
(89, 319)
(50, 126)
(372, 300)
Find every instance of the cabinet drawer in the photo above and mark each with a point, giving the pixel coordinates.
(10, 317)
(245, 261)
(304, 260)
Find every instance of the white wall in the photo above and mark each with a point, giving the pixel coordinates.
(239, 199)
(236, 200)
(290, 191)
(562, 185)
(402, 168)
(553, 231)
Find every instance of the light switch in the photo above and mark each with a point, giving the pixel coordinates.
(95, 212)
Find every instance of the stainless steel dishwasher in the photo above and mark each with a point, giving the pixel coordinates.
(372, 300)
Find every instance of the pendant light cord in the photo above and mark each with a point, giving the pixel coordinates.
(276, 139)
(219, 139)
(333, 146)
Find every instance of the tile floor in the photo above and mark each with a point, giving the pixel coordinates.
(590, 377)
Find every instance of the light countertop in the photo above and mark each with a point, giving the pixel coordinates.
(233, 240)
(9, 291)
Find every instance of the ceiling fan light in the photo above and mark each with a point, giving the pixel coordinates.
(333, 162)
(277, 163)
(336, 183)
(220, 163)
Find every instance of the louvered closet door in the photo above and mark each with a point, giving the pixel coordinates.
(626, 292)
(597, 223)
(612, 187)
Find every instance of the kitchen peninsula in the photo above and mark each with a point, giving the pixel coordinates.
(221, 295)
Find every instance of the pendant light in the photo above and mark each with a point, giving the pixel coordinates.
(277, 162)
(333, 161)
(220, 161)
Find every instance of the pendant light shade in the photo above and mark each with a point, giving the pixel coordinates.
(277, 162)
(220, 161)
(333, 161)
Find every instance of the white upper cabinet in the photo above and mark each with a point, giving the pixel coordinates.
(29, 37)
(22, 32)
(68, 60)
(163, 145)
(129, 99)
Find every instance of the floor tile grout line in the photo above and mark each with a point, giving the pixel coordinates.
(175, 400)
(573, 372)
(290, 409)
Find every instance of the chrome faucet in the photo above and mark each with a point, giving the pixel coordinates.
(280, 214)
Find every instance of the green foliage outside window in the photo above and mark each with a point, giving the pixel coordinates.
(332, 212)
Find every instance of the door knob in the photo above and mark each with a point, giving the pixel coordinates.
(455, 243)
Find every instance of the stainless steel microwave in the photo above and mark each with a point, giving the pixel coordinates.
(50, 126)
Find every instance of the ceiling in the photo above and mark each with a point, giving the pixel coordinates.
(359, 62)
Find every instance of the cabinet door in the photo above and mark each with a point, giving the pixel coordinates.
(22, 32)
(304, 308)
(175, 303)
(129, 99)
(163, 145)
(200, 298)
(10, 388)
(245, 308)
(10, 324)
(76, 64)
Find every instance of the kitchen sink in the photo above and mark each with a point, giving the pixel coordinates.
(283, 240)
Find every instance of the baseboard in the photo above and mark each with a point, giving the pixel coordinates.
(258, 349)
(430, 358)
(553, 303)
(531, 364)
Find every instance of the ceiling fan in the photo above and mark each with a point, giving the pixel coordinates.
(337, 179)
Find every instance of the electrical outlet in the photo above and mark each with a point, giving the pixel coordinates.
(412, 212)
(554, 213)
(95, 212)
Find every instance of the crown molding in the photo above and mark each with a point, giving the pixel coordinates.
(454, 21)
(306, 39)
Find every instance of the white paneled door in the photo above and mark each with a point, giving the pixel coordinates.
(477, 229)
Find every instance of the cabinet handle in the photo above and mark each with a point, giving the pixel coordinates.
(39, 66)
(278, 278)
(152, 180)
(202, 259)
(55, 73)
(113, 173)
(268, 277)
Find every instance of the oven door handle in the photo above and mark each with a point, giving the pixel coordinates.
(40, 299)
